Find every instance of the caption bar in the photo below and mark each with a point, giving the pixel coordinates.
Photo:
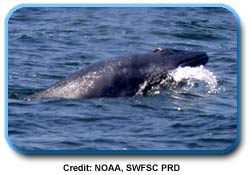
(121, 168)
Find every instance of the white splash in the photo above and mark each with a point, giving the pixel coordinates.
(195, 76)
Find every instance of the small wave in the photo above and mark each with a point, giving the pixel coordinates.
(26, 38)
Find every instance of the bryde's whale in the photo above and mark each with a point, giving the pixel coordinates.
(122, 76)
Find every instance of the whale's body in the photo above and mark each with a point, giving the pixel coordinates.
(122, 76)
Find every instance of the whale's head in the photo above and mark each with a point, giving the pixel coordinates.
(180, 58)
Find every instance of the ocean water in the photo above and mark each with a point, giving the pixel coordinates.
(47, 44)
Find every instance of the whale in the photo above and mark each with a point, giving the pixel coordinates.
(123, 76)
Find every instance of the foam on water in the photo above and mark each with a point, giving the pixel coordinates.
(197, 78)
(192, 80)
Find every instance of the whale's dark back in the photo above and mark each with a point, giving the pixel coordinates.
(122, 76)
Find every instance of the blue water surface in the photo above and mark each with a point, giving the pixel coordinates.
(47, 44)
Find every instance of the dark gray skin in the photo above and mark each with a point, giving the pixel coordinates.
(122, 76)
